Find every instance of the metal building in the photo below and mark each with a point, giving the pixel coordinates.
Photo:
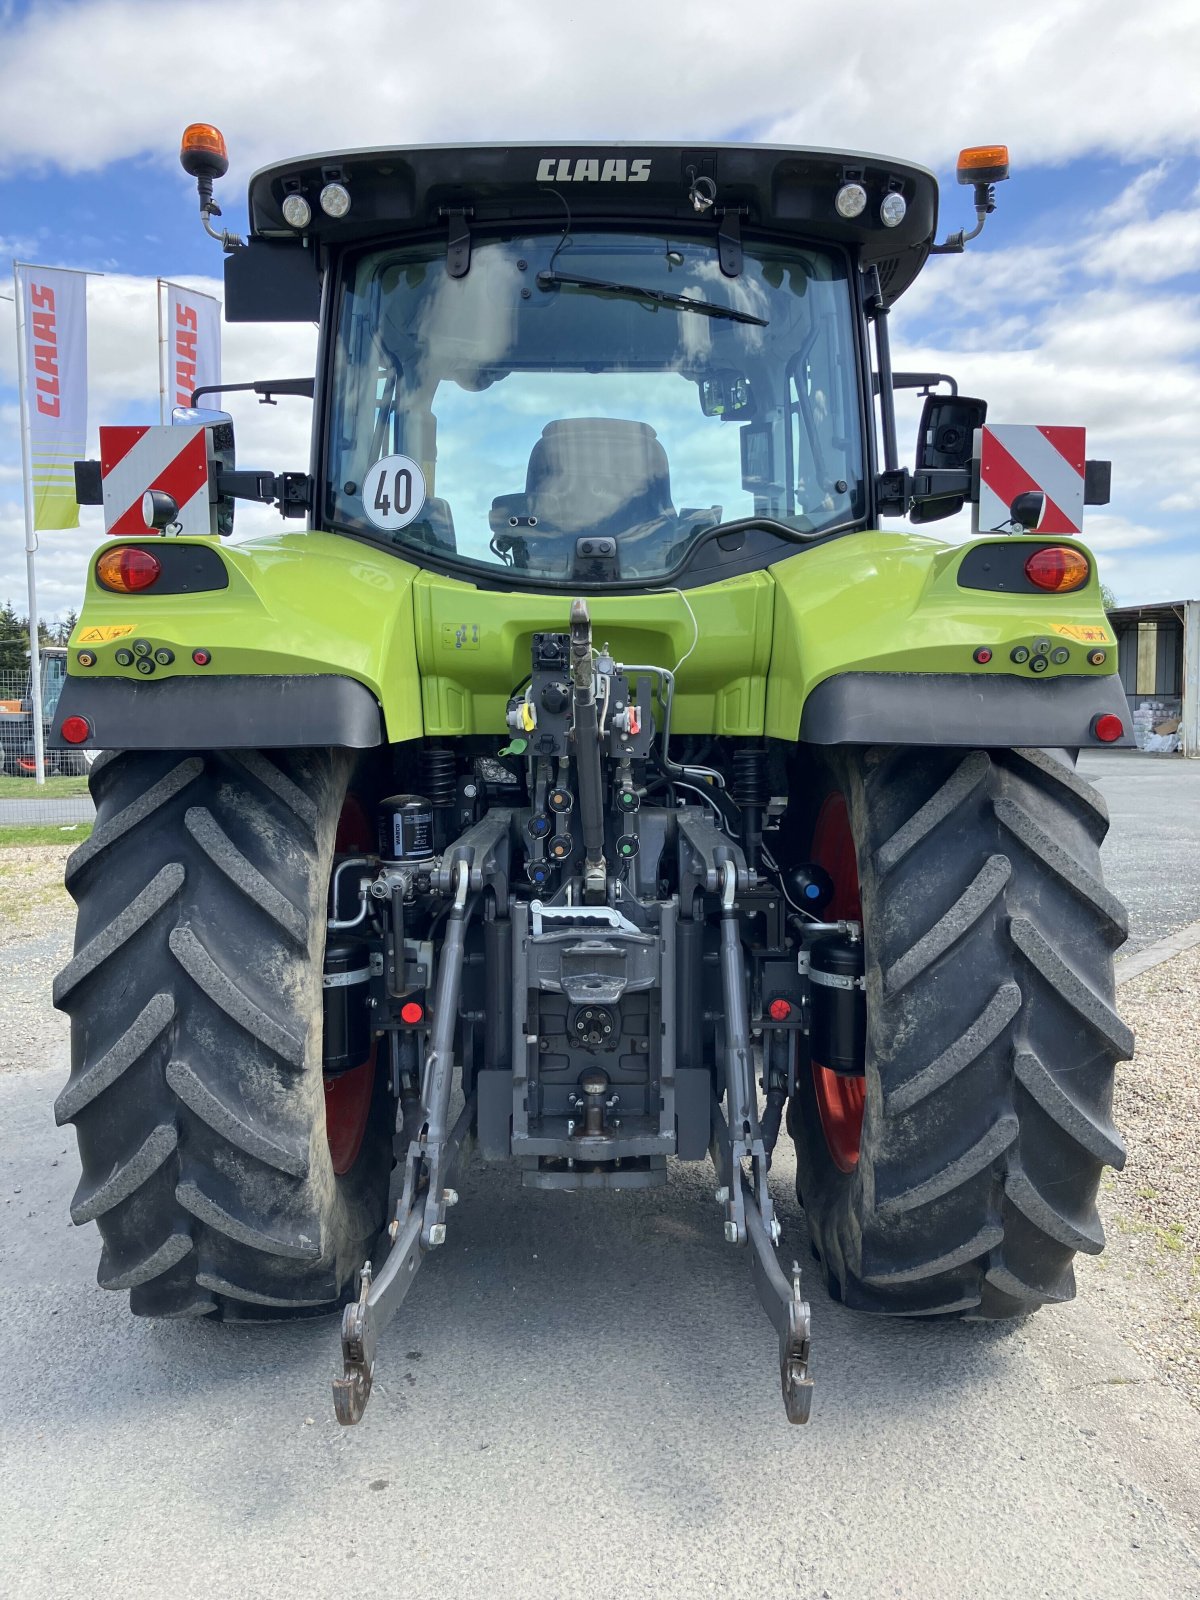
(1158, 653)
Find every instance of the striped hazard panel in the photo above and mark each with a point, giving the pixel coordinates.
(1015, 459)
(174, 460)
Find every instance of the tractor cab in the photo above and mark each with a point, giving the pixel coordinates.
(603, 365)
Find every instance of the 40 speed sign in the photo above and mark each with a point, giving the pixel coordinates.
(393, 492)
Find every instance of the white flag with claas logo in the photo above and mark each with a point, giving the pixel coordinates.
(191, 346)
(54, 313)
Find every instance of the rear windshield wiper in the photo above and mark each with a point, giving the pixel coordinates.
(633, 291)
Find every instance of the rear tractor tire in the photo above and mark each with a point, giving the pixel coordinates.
(195, 998)
(959, 1177)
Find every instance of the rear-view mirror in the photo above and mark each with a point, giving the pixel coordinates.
(726, 394)
(947, 433)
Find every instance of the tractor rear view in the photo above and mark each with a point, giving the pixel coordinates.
(591, 783)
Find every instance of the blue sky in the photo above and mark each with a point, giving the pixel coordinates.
(1079, 304)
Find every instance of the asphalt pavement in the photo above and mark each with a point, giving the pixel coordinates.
(579, 1398)
(1152, 854)
(37, 808)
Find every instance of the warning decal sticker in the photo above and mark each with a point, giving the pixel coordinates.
(102, 634)
(1086, 633)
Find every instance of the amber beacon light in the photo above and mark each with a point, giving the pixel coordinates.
(983, 163)
(202, 152)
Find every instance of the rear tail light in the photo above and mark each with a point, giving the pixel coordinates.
(1058, 568)
(76, 730)
(1108, 728)
(412, 1012)
(126, 568)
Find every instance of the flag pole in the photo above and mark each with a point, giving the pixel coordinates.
(162, 341)
(35, 655)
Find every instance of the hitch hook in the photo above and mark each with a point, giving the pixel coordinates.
(352, 1391)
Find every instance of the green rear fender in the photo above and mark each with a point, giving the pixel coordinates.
(441, 657)
(890, 604)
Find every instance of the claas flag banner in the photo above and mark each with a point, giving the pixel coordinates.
(189, 346)
(54, 304)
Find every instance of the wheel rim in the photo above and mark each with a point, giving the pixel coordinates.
(841, 1100)
(347, 1111)
(348, 1097)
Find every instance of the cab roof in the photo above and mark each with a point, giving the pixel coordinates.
(774, 189)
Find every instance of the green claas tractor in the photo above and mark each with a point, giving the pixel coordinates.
(588, 780)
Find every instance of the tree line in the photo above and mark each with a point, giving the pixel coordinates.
(14, 633)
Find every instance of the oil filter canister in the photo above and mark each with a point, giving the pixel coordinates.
(406, 828)
(346, 1005)
(838, 1004)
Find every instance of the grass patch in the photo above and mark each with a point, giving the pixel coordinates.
(45, 833)
(1171, 1237)
(13, 788)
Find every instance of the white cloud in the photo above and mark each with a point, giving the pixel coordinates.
(285, 76)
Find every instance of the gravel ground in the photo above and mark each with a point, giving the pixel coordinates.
(1149, 1274)
(1150, 1271)
(35, 941)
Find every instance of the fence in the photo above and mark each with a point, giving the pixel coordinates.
(58, 808)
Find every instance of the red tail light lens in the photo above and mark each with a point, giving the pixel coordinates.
(76, 730)
(1057, 568)
(1108, 728)
(126, 568)
(412, 1012)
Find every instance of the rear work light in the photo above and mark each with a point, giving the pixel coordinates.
(1058, 568)
(126, 568)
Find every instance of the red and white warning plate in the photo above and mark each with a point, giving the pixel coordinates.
(1016, 458)
(174, 460)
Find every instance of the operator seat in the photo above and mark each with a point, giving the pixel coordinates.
(593, 475)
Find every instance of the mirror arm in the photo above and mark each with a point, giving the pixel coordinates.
(290, 491)
(264, 388)
(898, 490)
(925, 381)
